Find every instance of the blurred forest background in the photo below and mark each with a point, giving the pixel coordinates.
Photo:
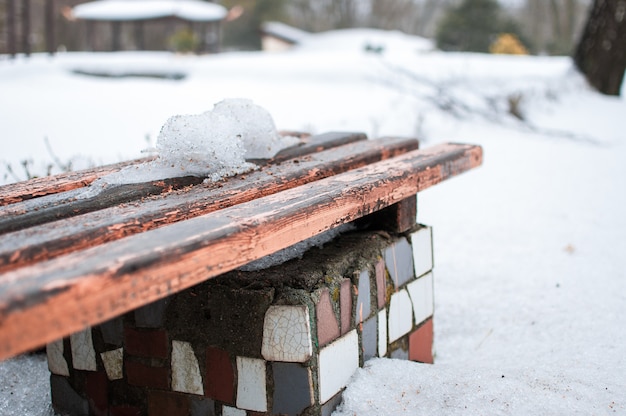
(548, 27)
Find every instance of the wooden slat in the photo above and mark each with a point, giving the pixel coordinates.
(54, 207)
(60, 237)
(41, 303)
(35, 188)
(50, 185)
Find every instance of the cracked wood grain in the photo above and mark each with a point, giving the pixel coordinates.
(52, 239)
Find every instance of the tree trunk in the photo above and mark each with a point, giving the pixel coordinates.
(601, 52)
(12, 47)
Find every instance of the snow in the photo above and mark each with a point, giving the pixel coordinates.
(530, 272)
(285, 31)
(121, 10)
(214, 144)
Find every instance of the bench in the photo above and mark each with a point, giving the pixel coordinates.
(91, 276)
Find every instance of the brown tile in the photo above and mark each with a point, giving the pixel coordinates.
(220, 376)
(139, 374)
(146, 343)
(381, 286)
(345, 299)
(421, 343)
(97, 389)
(327, 326)
(161, 403)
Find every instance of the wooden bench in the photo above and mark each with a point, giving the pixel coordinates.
(69, 262)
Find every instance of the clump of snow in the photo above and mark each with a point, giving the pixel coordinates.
(214, 144)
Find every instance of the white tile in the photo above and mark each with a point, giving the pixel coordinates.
(287, 334)
(232, 411)
(251, 386)
(185, 370)
(400, 315)
(83, 354)
(382, 333)
(422, 250)
(113, 363)
(337, 362)
(421, 292)
(56, 361)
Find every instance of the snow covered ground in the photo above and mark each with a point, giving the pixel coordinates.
(530, 274)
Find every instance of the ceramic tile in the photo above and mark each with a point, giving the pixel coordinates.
(293, 390)
(345, 300)
(146, 343)
(151, 316)
(96, 389)
(138, 374)
(331, 405)
(232, 411)
(202, 407)
(251, 384)
(113, 363)
(422, 250)
(220, 375)
(327, 326)
(400, 315)
(186, 376)
(113, 331)
(421, 343)
(56, 361)
(363, 304)
(161, 403)
(399, 262)
(65, 399)
(421, 292)
(287, 334)
(381, 283)
(369, 337)
(337, 362)
(83, 353)
(382, 333)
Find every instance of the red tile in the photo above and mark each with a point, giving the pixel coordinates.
(345, 299)
(96, 389)
(146, 343)
(381, 280)
(145, 376)
(421, 343)
(327, 327)
(162, 403)
(220, 376)
(124, 410)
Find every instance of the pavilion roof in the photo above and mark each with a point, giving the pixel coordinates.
(128, 10)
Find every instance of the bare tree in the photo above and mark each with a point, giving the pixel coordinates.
(601, 52)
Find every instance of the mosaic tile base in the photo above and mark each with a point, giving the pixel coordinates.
(285, 340)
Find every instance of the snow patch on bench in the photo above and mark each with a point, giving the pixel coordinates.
(214, 144)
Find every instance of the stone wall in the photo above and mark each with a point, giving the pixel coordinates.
(283, 340)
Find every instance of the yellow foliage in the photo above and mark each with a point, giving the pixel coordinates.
(509, 44)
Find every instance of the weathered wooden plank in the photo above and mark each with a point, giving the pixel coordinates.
(34, 188)
(41, 303)
(318, 143)
(112, 196)
(38, 187)
(60, 237)
(59, 206)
